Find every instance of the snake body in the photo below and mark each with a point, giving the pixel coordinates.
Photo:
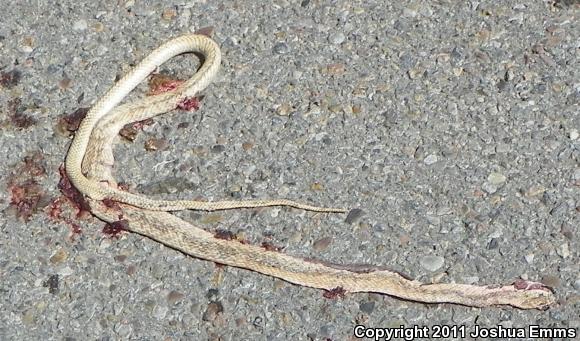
(89, 167)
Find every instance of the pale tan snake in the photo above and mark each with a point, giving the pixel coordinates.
(89, 166)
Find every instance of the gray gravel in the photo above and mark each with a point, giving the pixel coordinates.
(452, 125)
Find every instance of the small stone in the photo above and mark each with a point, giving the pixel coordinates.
(576, 175)
(322, 244)
(59, 256)
(559, 210)
(284, 109)
(159, 312)
(26, 48)
(212, 219)
(281, 48)
(28, 317)
(535, 191)
(212, 295)
(567, 231)
(353, 215)
(316, 186)
(120, 258)
(124, 330)
(247, 145)
(415, 72)
(212, 311)
(576, 284)
(80, 25)
(574, 134)
(551, 281)
(337, 38)
(563, 251)
(493, 244)
(174, 297)
(529, 258)
(489, 188)
(470, 279)
(336, 108)
(131, 270)
(335, 68)
(218, 148)
(168, 14)
(154, 144)
(430, 159)
(502, 148)
(98, 27)
(66, 271)
(409, 12)
(458, 71)
(432, 263)
(495, 178)
(367, 307)
(52, 283)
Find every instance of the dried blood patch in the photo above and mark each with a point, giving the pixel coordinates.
(26, 194)
(129, 131)
(160, 83)
(113, 230)
(271, 247)
(68, 124)
(17, 116)
(224, 234)
(72, 194)
(334, 293)
(189, 104)
(10, 78)
(25, 198)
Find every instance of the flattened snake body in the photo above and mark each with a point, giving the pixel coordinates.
(89, 167)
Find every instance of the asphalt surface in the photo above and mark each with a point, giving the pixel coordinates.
(453, 126)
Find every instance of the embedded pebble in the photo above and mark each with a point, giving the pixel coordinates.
(322, 244)
(564, 251)
(80, 25)
(529, 258)
(174, 297)
(495, 178)
(59, 256)
(577, 284)
(574, 134)
(337, 38)
(415, 72)
(367, 307)
(160, 311)
(489, 188)
(432, 263)
(124, 330)
(493, 244)
(576, 175)
(430, 159)
(26, 48)
(281, 48)
(559, 210)
(409, 12)
(470, 279)
(353, 215)
(212, 311)
(551, 281)
(66, 271)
